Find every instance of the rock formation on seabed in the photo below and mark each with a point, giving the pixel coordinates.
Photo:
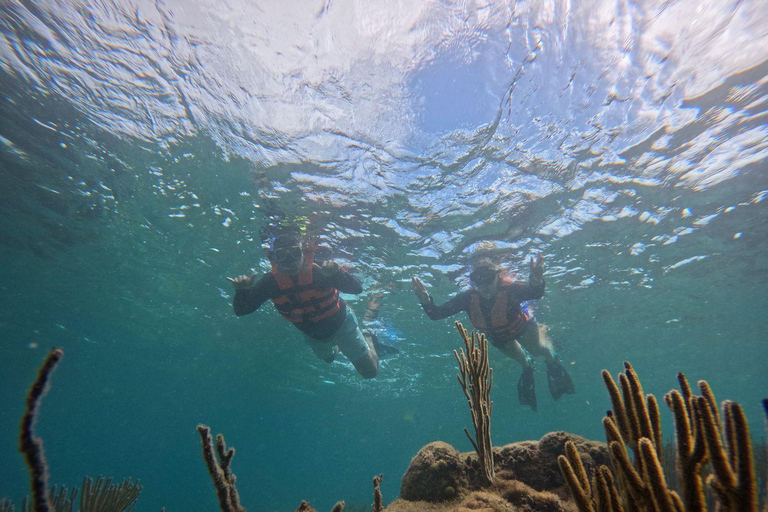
(528, 478)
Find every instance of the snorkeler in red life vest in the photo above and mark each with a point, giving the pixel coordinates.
(494, 307)
(307, 295)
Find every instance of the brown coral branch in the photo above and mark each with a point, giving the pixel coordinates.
(476, 381)
(581, 494)
(471, 440)
(629, 474)
(224, 482)
(643, 419)
(717, 455)
(578, 467)
(611, 430)
(601, 496)
(607, 477)
(377, 493)
(765, 489)
(655, 418)
(655, 477)
(690, 453)
(677, 501)
(225, 455)
(706, 392)
(30, 445)
(729, 436)
(746, 490)
(633, 424)
(685, 389)
(619, 412)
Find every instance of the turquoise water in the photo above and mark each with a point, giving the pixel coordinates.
(148, 150)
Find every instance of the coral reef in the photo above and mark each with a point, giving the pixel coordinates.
(476, 381)
(527, 475)
(701, 436)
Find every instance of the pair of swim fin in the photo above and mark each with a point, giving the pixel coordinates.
(559, 381)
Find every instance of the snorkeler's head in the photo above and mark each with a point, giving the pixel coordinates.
(286, 250)
(484, 273)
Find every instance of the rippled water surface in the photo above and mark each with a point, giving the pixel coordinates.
(148, 150)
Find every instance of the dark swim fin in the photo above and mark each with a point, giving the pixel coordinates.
(560, 382)
(381, 349)
(526, 388)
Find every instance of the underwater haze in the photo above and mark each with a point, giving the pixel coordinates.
(150, 149)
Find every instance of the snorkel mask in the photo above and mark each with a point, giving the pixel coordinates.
(286, 252)
(484, 274)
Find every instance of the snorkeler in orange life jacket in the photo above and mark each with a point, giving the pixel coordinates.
(307, 295)
(493, 304)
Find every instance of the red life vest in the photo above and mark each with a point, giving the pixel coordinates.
(500, 323)
(301, 300)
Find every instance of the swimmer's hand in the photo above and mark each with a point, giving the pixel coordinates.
(420, 290)
(329, 268)
(537, 271)
(242, 282)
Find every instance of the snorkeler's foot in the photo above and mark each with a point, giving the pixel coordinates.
(381, 349)
(371, 340)
(368, 365)
(560, 382)
(331, 358)
(526, 388)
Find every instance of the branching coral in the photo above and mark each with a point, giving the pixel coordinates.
(701, 436)
(219, 469)
(32, 446)
(476, 380)
(218, 462)
(377, 493)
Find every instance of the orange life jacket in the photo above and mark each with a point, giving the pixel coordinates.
(301, 300)
(500, 323)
